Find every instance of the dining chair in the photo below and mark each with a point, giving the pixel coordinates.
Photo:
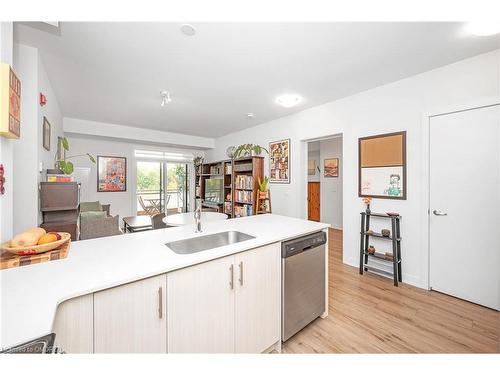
(157, 220)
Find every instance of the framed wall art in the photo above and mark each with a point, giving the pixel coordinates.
(10, 103)
(111, 174)
(382, 166)
(331, 168)
(46, 130)
(279, 162)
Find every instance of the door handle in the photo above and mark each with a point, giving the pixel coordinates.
(439, 213)
(160, 302)
(241, 273)
(231, 277)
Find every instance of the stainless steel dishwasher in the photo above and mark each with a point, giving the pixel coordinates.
(303, 282)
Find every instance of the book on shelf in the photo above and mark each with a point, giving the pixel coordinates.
(227, 208)
(59, 178)
(243, 182)
(244, 196)
(228, 169)
(244, 210)
(215, 169)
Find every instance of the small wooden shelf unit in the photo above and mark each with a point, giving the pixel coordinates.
(395, 238)
(249, 168)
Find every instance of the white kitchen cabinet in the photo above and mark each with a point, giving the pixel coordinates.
(131, 318)
(73, 325)
(201, 308)
(258, 299)
(227, 305)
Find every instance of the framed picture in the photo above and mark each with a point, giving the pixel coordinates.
(311, 167)
(46, 133)
(382, 166)
(331, 168)
(279, 162)
(111, 174)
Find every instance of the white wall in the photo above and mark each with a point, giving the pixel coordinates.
(331, 187)
(28, 151)
(313, 154)
(52, 112)
(25, 150)
(122, 203)
(393, 107)
(6, 151)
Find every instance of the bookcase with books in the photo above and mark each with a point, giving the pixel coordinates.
(240, 184)
(246, 173)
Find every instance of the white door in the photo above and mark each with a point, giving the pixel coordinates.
(258, 299)
(201, 308)
(131, 318)
(465, 205)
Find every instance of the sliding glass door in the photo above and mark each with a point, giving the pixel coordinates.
(162, 186)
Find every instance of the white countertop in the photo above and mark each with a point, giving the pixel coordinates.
(187, 218)
(30, 294)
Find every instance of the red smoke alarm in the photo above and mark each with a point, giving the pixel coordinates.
(43, 100)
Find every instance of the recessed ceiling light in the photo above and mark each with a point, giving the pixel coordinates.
(165, 98)
(250, 115)
(188, 29)
(484, 28)
(288, 100)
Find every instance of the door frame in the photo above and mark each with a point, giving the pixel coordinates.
(426, 170)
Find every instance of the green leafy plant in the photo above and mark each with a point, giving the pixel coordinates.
(198, 161)
(247, 148)
(263, 185)
(62, 161)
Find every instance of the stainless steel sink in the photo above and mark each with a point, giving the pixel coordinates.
(211, 241)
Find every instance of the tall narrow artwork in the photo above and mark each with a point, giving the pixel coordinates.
(111, 174)
(382, 166)
(279, 162)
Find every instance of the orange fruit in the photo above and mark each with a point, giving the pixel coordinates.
(47, 238)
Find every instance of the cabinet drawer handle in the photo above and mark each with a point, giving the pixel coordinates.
(160, 303)
(231, 277)
(241, 273)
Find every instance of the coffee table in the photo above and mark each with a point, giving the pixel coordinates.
(137, 223)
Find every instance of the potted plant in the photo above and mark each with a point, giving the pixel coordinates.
(249, 149)
(263, 187)
(61, 160)
(198, 161)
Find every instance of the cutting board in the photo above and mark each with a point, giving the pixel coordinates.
(9, 260)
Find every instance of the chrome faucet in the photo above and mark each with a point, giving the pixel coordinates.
(197, 218)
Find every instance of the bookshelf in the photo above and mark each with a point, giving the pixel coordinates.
(240, 179)
(246, 173)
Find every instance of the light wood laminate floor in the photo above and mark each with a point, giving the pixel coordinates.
(367, 314)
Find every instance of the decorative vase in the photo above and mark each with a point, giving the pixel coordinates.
(263, 194)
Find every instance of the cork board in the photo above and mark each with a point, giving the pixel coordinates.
(382, 166)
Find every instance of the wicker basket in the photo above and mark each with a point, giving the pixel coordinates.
(37, 249)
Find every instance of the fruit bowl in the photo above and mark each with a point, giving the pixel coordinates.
(37, 249)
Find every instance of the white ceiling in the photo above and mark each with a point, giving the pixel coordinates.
(114, 72)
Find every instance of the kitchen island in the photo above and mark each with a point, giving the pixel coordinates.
(31, 294)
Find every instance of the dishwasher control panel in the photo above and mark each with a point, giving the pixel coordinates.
(298, 245)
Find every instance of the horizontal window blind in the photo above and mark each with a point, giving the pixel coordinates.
(163, 156)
